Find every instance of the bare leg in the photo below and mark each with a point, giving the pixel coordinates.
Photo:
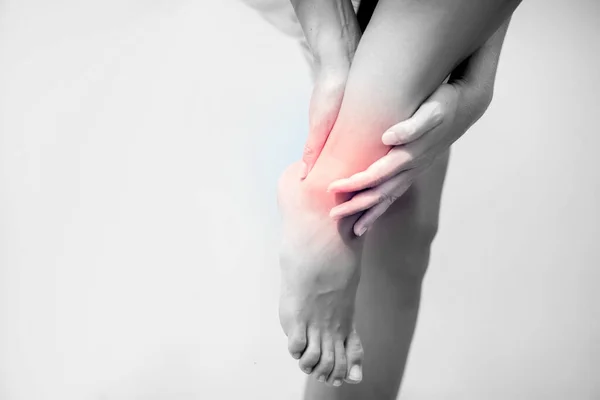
(394, 262)
(405, 53)
(321, 260)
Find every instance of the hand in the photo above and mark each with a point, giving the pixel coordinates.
(417, 141)
(332, 32)
(440, 121)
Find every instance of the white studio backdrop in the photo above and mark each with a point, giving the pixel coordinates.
(140, 144)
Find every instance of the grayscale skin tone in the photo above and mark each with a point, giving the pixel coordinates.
(381, 123)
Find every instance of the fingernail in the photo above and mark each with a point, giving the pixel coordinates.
(337, 382)
(333, 213)
(321, 378)
(296, 355)
(337, 185)
(389, 138)
(303, 170)
(355, 373)
(361, 231)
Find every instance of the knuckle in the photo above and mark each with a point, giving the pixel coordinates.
(379, 175)
(309, 151)
(437, 112)
(387, 198)
(376, 181)
(382, 197)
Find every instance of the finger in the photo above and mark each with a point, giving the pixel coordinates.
(369, 198)
(332, 32)
(367, 220)
(395, 161)
(325, 104)
(356, 204)
(427, 117)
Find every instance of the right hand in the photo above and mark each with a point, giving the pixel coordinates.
(332, 32)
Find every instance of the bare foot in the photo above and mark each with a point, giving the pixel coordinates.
(320, 273)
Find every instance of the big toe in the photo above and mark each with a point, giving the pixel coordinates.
(297, 341)
(354, 356)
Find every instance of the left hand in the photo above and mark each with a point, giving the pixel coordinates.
(416, 142)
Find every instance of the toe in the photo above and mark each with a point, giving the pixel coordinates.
(325, 366)
(297, 341)
(354, 357)
(340, 366)
(311, 355)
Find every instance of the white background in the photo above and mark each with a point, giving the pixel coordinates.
(140, 143)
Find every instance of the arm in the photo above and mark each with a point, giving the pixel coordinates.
(430, 39)
(476, 77)
(443, 118)
(332, 33)
(407, 50)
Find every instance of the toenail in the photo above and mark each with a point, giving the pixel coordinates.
(355, 373)
(296, 355)
(307, 370)
(337, 382)
(321, 378)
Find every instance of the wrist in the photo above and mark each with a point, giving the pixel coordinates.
(473, 100)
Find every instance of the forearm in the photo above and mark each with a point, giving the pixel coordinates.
(387, 83)
(331, 30)
(477, 74)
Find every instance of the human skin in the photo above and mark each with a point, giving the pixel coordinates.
(441, 120)
(333, 31)
(320, 259)
(430, 39)
(396, 251)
